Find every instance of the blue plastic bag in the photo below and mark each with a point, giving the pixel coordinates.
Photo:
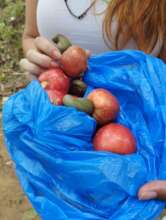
(52, 146)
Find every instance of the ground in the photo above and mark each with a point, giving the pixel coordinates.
(13, 203)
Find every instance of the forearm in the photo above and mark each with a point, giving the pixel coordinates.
(30, 30)
(28, 42)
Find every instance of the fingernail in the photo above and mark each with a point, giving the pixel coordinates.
(147, 195)
(56, 54)
(54, 64)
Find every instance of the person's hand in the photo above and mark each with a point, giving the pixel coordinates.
(153, 190)
(44, 56)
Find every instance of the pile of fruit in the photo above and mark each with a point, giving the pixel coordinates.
(64, 86)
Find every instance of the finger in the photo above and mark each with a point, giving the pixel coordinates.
(40, 59)
(148, 195)
(47, 47)
(154, 189)
(30, 67)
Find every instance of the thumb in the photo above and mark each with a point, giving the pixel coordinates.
(153, 190)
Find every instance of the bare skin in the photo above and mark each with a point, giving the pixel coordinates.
(153, 190)
(39, 53)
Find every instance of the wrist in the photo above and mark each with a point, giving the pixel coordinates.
(28, 43)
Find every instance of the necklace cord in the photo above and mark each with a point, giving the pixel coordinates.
(81, 15)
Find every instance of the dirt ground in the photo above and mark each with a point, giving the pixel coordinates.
(13, 203)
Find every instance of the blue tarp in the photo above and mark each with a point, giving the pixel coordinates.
(52, 146)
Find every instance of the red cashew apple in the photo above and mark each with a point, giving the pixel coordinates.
(74, 61)
(56, 97)
(116, 138)
(106, 106)
(55, 79)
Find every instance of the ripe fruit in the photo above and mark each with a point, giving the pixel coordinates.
(106, 106)
(82, 104)
(115, 138)
(55, 79)
(74, 61)
(56, 97)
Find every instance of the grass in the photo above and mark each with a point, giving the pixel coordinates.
(11, 27)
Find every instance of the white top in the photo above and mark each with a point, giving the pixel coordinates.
(53, 17)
